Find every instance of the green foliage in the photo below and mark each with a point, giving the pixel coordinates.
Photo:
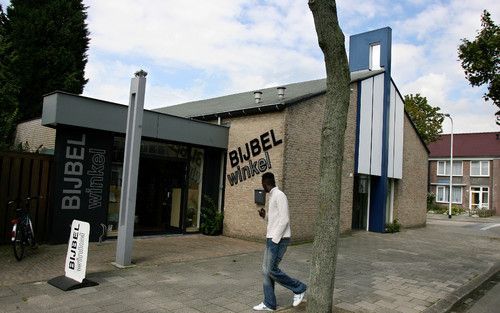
(431, 200)
(481, 58)
(393, 227)
(438, 209)
(211, 218)
(485, 213)
(443, 209)
(427, 119)
(9, 112)
(457, 209)
(44, 46)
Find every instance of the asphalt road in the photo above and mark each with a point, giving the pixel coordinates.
(475, 226)
(486, 298)
(489, 303)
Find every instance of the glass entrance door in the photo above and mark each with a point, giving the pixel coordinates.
(479, 198)
(159, 196)
(361, 202)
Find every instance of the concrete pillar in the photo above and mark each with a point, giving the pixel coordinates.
(130, 170)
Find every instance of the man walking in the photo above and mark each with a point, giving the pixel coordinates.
(277, 240)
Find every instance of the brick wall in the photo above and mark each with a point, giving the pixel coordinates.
(296, 166)
(466, 188)
(302, 162)
(240, 211)
(35, 134)
(410, 193)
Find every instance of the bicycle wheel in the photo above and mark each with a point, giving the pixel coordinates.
(18, 244)
(30, 235)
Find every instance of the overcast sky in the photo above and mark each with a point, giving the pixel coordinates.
(200, 49)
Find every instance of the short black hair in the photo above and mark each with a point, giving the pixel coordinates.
(268, 179)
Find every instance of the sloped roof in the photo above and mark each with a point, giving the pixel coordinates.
(473, 145)
(245, 101)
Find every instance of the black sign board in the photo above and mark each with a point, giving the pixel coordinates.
(82, 172)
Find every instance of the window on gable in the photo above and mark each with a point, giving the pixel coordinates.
(375, 57)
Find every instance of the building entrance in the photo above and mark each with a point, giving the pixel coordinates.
(162, 188)
(361, 202)
(159, 196)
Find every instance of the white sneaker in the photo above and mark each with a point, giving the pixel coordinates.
(297, 299)
(262, 307)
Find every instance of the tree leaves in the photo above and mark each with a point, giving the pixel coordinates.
(426, 118)
(481, 58)
(49, 39)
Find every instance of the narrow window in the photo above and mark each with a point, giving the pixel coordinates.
(375, 57)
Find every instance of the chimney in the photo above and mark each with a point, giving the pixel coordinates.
(281, 92)
(258, 96)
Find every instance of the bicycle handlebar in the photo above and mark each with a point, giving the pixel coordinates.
(29, 198)
(33, 198)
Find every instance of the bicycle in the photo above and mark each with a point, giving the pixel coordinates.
(22, 228)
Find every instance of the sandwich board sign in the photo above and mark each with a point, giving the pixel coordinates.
(75, 266)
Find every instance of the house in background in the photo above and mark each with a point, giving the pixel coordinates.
(476, 170)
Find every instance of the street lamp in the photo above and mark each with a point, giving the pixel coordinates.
(451, 166)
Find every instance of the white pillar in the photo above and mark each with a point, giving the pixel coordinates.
(451, 168)
(130, 170)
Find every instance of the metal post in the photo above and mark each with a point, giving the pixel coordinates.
(451, 166)
(130, 170)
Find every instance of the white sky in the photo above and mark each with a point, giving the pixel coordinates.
(200, 49)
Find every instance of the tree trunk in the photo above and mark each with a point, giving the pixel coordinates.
(324, 258)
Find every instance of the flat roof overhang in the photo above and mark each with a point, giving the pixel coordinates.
(60, 108)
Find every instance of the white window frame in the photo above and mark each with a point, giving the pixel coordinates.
(446, 194)
(480, 168)
(481, 191)
(461, 194)
(461, 168)
(451, 169)
(437, 169)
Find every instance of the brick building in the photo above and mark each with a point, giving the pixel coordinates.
(476, 164)
(384, 173)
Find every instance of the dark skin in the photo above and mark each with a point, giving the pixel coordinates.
(267, 187)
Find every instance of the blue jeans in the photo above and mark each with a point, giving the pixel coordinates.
(272, 258)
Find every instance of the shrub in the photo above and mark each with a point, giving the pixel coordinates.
(431, 200)
(457, 209)
(432, 205)
(485, 212)
(393, 227)
(211, 218)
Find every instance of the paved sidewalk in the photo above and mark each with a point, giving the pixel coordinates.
(417, 270)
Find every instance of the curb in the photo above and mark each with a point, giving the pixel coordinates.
(465, 220)
(444, 305)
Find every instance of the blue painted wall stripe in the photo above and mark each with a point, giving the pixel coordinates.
(359, 59)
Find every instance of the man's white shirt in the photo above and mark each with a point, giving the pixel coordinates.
(278, 216)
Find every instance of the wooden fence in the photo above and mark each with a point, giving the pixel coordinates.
(23, 175)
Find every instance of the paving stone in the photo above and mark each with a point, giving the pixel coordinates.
(118, 307)
(418, 296)
(237, 307)
(348, 306)
(386, 304)
(404, 309)
(373, 273)
(6, 291)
